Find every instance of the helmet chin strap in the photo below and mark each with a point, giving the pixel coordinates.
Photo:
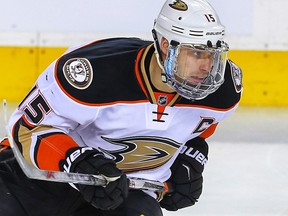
(157, 46)
(159, 56)
(173, 45)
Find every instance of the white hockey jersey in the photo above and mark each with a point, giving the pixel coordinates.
(101, 95)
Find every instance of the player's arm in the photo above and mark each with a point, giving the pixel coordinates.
(43, 146)
(52, 149)
(186, 176)
(42, 135)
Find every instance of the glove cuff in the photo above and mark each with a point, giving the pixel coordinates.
(77, 154)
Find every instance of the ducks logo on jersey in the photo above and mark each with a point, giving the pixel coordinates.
(141, 152)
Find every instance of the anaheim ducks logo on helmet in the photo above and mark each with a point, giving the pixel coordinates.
(141, 152)
(179, 5)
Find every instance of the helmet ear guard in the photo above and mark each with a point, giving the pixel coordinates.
(186, 23)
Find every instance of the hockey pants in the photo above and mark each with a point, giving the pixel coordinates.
(21, 196)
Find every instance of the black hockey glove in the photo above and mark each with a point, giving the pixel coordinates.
(186, 178)
(91, 161)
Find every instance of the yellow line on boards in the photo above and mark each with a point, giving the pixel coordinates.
(265, 73)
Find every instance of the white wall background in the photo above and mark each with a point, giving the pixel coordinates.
(250, 24)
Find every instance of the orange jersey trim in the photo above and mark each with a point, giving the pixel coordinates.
(52, 149)
(138, 72)
(209, 131)
(5, 143)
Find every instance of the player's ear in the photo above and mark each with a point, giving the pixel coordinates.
(164, 44)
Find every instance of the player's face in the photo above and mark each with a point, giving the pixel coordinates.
(194, 65)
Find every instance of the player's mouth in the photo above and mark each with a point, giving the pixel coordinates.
(194, 80)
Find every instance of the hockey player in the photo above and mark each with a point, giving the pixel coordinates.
(125, 107)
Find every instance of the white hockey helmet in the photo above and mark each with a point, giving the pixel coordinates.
(194, 25)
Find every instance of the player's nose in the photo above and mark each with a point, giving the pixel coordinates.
(205, 65)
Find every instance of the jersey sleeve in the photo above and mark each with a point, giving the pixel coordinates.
(43, 122)
(43, 146)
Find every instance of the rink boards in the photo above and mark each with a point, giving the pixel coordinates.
(264, 72)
